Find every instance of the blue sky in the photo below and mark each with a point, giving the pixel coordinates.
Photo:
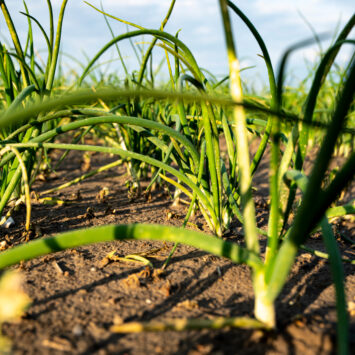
(280, 23)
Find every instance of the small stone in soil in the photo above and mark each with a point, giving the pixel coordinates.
(78, 330)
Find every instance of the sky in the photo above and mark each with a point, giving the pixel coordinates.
(281, 23)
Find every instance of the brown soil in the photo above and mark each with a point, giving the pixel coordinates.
(75, 301)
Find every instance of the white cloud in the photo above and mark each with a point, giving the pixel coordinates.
(320, 13)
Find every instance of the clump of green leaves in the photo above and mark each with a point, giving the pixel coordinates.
(32, 83)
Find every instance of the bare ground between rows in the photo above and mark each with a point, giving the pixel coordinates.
(75, 301)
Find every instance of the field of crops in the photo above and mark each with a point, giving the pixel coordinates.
(185, 217)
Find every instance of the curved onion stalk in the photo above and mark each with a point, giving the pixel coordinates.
(136, 231)
(75, 98)
(77, 238)
(164, 36)
(85, 96)
(152, 44)
(203, 241)
(121, 120)
(35, 110)
(72, 113)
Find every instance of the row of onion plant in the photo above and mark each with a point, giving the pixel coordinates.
(222, 190)
(33, 82)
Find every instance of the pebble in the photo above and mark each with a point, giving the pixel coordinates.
(8, 223)
(78, 330)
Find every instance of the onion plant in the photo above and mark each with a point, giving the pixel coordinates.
(128, 137)
(203, 132)
(33, 82)
(222, 189)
